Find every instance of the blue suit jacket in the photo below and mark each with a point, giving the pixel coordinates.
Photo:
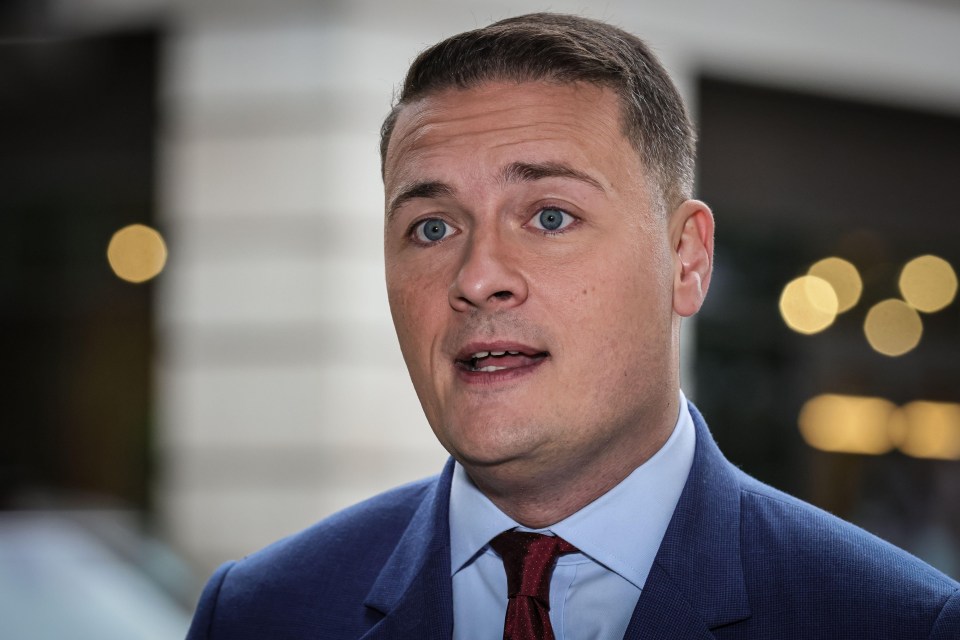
(739, 560)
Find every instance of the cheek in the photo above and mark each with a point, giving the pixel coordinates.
(408, 286)
(417, 305)
(404, 303)
(614, 303)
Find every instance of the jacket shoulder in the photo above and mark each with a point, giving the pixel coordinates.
(316, 579)
(803, 562)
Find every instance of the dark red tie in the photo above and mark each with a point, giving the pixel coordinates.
(528, 559)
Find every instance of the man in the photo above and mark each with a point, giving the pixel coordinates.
(541, 249)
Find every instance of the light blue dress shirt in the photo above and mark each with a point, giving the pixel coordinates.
(592, 593)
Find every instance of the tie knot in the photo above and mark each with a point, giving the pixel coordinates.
(528, 559)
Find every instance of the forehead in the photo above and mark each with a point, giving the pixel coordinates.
(477, 131)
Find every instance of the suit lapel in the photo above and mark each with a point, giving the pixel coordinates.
(696, 583)
(413, 592)
(664, 613)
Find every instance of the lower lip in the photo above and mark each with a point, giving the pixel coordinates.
(495, 377)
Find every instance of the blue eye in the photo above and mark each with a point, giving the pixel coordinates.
(432, 230)
(552, 219)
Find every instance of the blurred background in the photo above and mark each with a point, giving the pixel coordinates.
(199, 354)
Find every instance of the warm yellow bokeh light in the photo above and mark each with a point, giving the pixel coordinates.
(808, 304)
(931, 430)
(137, 253)
(892, 327)
(872, 426)
(847, 424)
(928, 283)
(843, 277)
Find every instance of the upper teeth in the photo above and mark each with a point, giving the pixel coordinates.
(484, 354)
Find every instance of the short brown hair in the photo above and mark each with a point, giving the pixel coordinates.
(567, 49)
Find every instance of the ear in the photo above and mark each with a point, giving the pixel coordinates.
(691, 232)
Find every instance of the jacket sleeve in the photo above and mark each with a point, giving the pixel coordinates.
(947, 626)
(202, 626)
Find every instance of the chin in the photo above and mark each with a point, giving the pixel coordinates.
(484, 445)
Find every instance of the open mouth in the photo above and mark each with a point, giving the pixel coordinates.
(493, 361)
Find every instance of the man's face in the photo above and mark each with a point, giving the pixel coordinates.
(530, 273)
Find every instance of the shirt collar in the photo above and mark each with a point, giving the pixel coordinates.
(639, 509)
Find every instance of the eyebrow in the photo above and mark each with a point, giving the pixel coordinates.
(532, 171)
(513, 173)
(430, 189)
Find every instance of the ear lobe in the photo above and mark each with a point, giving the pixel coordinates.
(691, 227)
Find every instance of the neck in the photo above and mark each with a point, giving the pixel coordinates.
(540, 495)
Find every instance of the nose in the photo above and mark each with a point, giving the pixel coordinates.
(489, 277)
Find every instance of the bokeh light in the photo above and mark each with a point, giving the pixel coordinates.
(843, 277)
(808, 304)
(847, 424)
(930, 430)
(928, 283)
(137, 253)
(873, 426)
(892, 327)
